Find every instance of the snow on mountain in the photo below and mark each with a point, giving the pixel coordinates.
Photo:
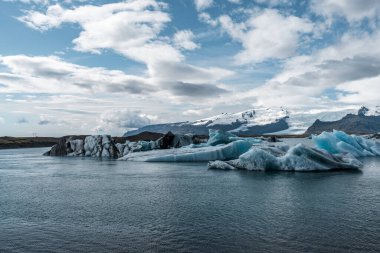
(260, 121)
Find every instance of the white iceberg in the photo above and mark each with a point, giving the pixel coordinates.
(297, 158)
(339, 142)
(203, 154)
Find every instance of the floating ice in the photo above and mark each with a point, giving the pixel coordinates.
(297, 158)
(100, 146)
(226, 152)
(339, 142)
(218, 137)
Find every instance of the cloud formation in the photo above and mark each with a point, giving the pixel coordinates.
(124, 119)
(267, 35)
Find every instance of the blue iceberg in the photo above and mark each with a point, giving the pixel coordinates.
(203, 154)
(297, 158)
(339, 142)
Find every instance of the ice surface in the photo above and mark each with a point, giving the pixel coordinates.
(339, 142)
(203, 154)
(77, 147)
(297, 158)
(217, 137)
(100, 146)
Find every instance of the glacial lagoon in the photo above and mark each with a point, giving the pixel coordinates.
(72, 204)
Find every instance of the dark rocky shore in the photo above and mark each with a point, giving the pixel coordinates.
(7, 142)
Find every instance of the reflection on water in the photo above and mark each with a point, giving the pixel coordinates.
(71, 204)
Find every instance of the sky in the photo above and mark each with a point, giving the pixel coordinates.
(89, 66)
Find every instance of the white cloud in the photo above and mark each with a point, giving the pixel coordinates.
(125, 27)
(361, 92)
(132, 29)
(201, 5)
(184, 40)
(235, 1)
(353, 11)
(2, 121)
(268, 35)
(197, 112)
(53, 75)
(124, 119)
(206, 18)
(273, 3)
(346, 70)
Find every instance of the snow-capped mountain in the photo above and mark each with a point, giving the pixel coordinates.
(259, 121)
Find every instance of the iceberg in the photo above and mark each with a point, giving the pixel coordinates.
(100, 146)
(297, 158)
(218, 137)
(202, 154)
(339, 142)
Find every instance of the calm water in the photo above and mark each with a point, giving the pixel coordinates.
(77, 204)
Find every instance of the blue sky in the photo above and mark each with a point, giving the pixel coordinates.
(80, 67)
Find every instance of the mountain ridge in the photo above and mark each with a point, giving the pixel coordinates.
(261, 121)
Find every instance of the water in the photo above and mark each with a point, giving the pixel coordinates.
(81, 204)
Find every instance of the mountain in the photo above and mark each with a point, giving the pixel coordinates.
(362, 123)
(260, 121)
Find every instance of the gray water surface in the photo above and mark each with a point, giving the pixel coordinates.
(52, 204)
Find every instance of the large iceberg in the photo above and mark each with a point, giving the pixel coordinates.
(203, 154)
(297, 158)
(339, 142)
(95, 146)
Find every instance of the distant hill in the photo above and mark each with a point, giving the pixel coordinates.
(352, 124)
(7, 142)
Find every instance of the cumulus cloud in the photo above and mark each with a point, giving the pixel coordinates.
(52, 74)
(124, 119)
(184, 40)
(130, 28)
(353, 11)
(201, 5)
(361, 92)
(268, 35)
(206, 18)
(344, 73)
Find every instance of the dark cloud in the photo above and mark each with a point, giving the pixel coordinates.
(196, 90)
(130, 86)
(44, 122)
(72, 111)
(333, 72)
(22, 121)
(351, 69)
